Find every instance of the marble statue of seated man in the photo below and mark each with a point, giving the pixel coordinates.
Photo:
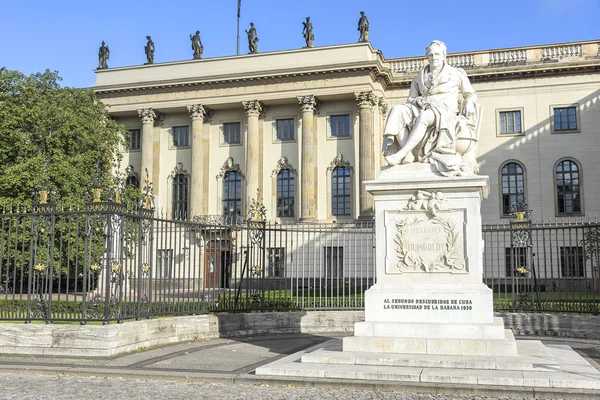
(440, 111)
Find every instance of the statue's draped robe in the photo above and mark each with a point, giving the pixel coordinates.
(445, 93)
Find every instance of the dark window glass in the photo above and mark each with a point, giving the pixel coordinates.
(135, 139)
(340, 191)
(340, 125)
(232, 194)
(285, 193)
(181, 136)
(571, 261)
(179, 207)
(232, 133)
(285, 129)
(510, 122)
(565, 119)
(513, 186)
(567, 188)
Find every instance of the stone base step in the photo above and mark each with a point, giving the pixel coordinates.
(574, 372)
(533, 356)
(506, 347)
(438, 330)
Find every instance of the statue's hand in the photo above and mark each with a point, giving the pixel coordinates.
(469, 109)
(422, 103)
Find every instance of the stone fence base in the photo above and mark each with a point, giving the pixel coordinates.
(113, 339)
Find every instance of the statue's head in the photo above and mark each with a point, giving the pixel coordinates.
(436, 53)
(103, 43)
(251, 23)
(148, 37)
(362, 13)
(307, 19)
(197, 32)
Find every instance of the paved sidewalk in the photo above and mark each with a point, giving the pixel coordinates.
(221, 369)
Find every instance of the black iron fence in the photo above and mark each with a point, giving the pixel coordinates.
(544, 267)
(105, 263)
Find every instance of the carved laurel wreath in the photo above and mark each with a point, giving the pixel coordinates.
(407, 259)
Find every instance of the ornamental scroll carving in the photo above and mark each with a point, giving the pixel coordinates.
(147, 115)
(254, 108)
(228, 166)
(178, 170)
(338, 161)
(198, 111)
(309, 103)
(366, 99)
(282, 164)
(428, 238)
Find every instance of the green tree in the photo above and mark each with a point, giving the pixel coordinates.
(67, 129)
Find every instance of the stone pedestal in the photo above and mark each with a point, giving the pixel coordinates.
(429, 297)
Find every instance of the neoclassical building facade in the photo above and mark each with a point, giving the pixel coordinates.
(303, 128)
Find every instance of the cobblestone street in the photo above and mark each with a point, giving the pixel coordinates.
(65, 387)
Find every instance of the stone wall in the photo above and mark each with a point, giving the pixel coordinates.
(112, 339)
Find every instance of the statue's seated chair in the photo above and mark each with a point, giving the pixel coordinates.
(467, 137)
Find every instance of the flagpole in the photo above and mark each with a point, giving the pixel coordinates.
(238, 26)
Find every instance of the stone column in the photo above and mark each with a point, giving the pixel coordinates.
(197, 191)
(253, 110)
(366, 171)
(308, 184)
(148, 117)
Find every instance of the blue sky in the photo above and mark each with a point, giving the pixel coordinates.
(64, 35)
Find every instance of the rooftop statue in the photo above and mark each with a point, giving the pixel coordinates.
(307, 32)
(149, 50)
(439, 123)
(252, 39)
(197, 45)
(363, 27)
(103, 56)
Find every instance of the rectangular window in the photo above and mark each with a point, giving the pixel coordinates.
(284, 129)
(565, 119)
(334, 262)
(510, 122)
(135, 139)
(164, 261)
(339, 125)
(181, 136)
(571, 262)
(232, 132)
(276, 261)
(515, 257)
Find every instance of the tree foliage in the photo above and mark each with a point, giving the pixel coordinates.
(66, 129)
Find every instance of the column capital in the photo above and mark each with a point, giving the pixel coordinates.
(254, 107)
(308, 103)
(198, 111)
(366, 99)
(383, 106)
(147, 115)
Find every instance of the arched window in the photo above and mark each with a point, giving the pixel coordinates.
(512, 180)
(232, 194)
(286, 191)
(132, 180)
(340, 191)
(568, 196)
(179, 207)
